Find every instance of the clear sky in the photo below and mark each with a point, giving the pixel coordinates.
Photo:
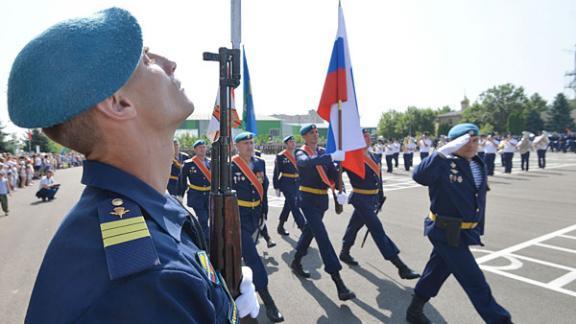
(415, 52)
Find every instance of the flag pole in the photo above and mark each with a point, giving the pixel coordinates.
(340, 145)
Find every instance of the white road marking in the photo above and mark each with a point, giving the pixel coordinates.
(554, 247)
(568, 236)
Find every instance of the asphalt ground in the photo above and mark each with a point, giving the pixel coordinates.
(529, 257)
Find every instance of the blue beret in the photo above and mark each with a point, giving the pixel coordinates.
(198, 142)
(243, 136)
(287, 138)
(365, 131)
(73, 66)
(307, 128)
(462, 129)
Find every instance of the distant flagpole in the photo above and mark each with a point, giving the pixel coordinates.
(248, 115)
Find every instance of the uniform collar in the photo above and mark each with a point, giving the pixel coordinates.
(163, 209)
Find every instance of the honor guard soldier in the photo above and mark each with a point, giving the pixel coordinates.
(127, 252)
(175, 183)
(367, 198)
(286, 180)
(318, 173)
(251, 185)
(196, 179)
(456, 180)
(264, 229)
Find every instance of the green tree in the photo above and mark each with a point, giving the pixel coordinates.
(533, 121)
(6, 144)
(388, 122)
(38, 139)
(559, 115)
(495, 106)
(443, 129)
(515, 122)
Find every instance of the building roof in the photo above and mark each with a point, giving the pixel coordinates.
(451, 114)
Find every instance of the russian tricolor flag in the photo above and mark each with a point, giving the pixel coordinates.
(339, 86)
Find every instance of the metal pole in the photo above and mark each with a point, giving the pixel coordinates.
(236, 23)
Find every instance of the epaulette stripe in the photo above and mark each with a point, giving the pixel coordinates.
(123, 230)
(122, 222)
(126, 237)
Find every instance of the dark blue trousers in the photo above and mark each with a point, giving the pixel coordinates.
(292, 204)
(365, 214)
(313, 206)
(423, 155)
(459, 261)
(507, 162)
(541, 158)
(46, 193)
(389, 164)
(408, 160)
(395, 156)
(249, 223)
(489, 159)
(525, 158)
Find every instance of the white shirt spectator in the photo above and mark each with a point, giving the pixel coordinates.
(46, 182)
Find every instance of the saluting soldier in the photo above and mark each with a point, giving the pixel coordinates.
(251, 185)
(286, 180)
(175, 183)
(318, 174)
(456, 180)
(196, 179)
(367, 197)
(127, 252)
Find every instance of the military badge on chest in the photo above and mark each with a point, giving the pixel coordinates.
(193, 169)
(454, 175)
(238, 177)
(260, 176)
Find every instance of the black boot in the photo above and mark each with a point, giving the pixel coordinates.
(296, 266)
(343, 292)
(281, 229)
(269, 242)
(415, 313)
(346, 257)
(272, 311)
(403, 270)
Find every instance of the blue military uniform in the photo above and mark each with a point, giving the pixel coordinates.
(251, 206)
(286, 179)
(127, 254)
(314, 204)
(175, 181)
(197, 185)
(367, 197)
(457, 190)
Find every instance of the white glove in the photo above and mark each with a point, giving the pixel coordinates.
(247, 302)
(179, 198)
(277, 192)
(454, 145)
(338, 155)
(342, 198)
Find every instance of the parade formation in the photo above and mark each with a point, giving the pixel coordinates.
(172, 237)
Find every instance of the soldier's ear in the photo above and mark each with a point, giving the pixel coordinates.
(117, 107)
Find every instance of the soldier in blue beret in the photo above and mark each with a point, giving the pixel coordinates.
(367, 198)
(251, 185)
(286, 180)
(175, 183)
(456, 179)
(317, 174)
(196, 182)
(127, 252)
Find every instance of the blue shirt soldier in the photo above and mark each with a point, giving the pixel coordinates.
(286, 180)
(175, 183)
(251, 184)
(195, 181)
(264, 228)
(367, 198)
(318, 173)
(456, 180)
(127, 252)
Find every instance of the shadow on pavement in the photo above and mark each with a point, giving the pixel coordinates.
(393, 297)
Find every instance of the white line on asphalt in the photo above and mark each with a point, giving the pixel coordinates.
(568, 236)
(564, 280)
(554, 247)
(546, 263)
(529, 281)
(523, 245)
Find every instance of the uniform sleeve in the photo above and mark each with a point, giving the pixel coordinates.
(183, 179)
(275, 180)
(266, 185)
(429, 170)
(304, 161)
(166, 296)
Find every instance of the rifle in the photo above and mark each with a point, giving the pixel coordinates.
(225, 241)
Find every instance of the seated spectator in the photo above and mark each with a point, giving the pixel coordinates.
(48, 187)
